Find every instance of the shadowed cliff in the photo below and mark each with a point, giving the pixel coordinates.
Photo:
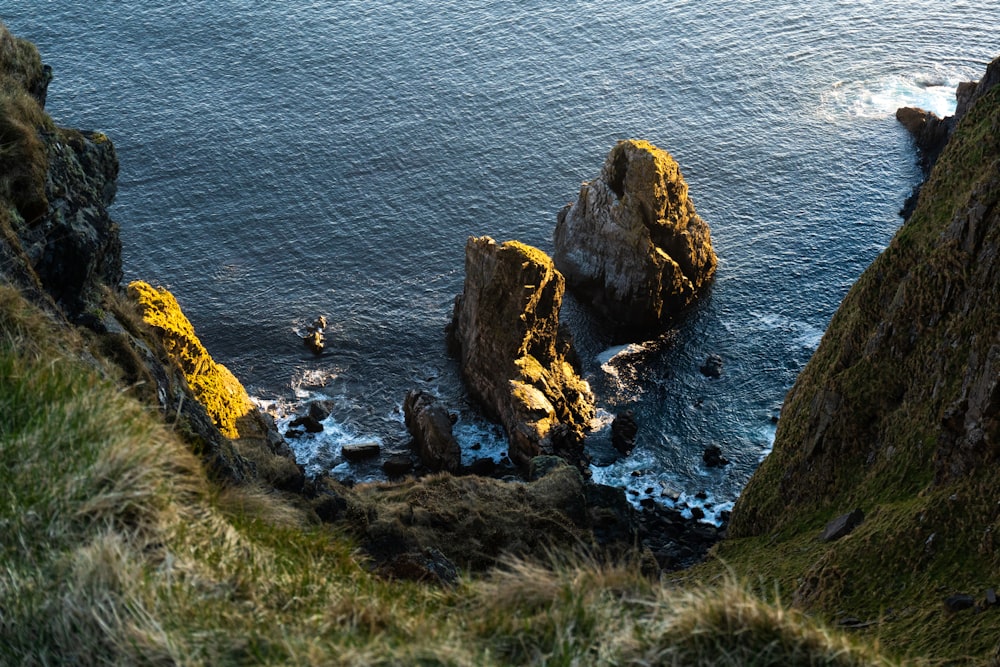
(898, 415)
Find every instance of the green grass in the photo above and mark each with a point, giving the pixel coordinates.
(117, 550)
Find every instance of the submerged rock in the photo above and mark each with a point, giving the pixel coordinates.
(505, 329)
(632, 243)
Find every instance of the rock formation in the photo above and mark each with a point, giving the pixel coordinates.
(430, 426)
(505, 329)
(632, 243)
(931, 132)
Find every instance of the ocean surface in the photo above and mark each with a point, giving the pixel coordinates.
(288, 159)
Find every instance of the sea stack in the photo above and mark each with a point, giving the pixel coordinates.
(505, 330)
(632, 244)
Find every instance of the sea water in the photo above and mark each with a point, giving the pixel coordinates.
(288, 159)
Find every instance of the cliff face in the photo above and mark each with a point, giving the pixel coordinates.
(898, 414)
(905, 382)
(62, 251)
(506, 329)
(632, 243)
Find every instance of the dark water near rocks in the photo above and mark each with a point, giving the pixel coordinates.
(286, 159)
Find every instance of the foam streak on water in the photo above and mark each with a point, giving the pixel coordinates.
(282, 160)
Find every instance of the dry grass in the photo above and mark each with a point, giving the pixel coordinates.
(116, 550)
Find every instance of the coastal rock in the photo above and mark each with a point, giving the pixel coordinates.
(712, 367)
(713, 458)
(397, 465)
(360, 451)
(314, 338)
(505, 329)
(217, 390)
(213, 384)
(430, 425)
(632, 243)
(624, 429)
(75, 247)
(930, 132)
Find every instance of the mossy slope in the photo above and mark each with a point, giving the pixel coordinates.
(897, 414)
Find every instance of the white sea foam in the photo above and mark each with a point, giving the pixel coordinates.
(881, 97)
(617, 353)
(479, 440)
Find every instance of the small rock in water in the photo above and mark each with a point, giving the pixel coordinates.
(623, 431)
(314, 335)
(713, 457)
(314, 341)
(360, 451)
(712, 367)
(320, 410)
(308, 422)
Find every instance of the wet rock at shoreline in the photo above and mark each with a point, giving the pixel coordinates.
(430, 425)
(360, 451)
(505, 331)
(624, 430)
(632, 244)
(713, 458)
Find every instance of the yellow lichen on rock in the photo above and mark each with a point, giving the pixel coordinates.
(215, 387)
(632, 244)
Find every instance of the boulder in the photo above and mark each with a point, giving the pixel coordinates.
(397, 465)
(712, 367)
(505, 331)
(314, 339)
(632, 244)
(320, 410)
(713, 458)
(430, 425)
(623, 432)
(360, 451)
(842, 525)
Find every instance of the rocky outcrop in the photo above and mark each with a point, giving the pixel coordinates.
(930, 131)
(632, 243)
(57, 185)
(430, 425)
(505, 331)
(75, 248)
(213, 386)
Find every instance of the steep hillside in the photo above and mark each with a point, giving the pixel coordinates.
(898, 414)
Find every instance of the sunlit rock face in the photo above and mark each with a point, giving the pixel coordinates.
(505, 330)
(632, 244)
